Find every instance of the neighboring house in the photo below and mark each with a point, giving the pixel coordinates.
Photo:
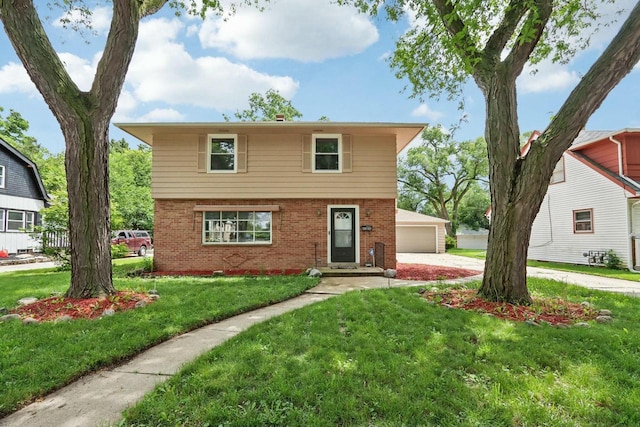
(272, 196)
(22, 196)
(593, 201)
(468, 238)
(416, 232)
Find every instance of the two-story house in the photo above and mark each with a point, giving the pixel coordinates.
(22, 196)
(592, 204)
(273, 196)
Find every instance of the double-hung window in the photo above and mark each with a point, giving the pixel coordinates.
(222, 153)
(236, 227)
(29, 221)
(15, 220)
(583, 221)
(327, 149)
(3, 175)
(2, 219)
(558, 172)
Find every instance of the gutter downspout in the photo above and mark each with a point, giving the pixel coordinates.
(630, 262)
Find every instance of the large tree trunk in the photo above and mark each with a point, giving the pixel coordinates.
(84, 119)
(86, 163)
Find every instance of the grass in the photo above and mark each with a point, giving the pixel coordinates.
(574, 268)
(388, 358)
(39, 358)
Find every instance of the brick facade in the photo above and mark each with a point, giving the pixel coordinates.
(299, 235)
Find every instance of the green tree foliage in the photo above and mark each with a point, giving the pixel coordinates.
(473, 207)
(266, 107)
(440, 172)
(13, 129)
(491, 42)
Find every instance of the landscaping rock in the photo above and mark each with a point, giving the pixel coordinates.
(64, 318)
(604, 312)
(582, 325)
(154, 297)
(153, 292)
(585, 304)
(29, 320)
(531, 322)
(4, 310)
(27, 300)
(315, 273)
(604, 319)
(218, 273)
(108, 312)
(390, 273)
(434, 289)
(422, 291)
(141, 304)
(8, 317)
(55, 294)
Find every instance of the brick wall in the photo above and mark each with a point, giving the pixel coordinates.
(299, 234)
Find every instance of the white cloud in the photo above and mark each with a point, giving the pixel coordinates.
(423, 110)
(162, 70)
(550, 77)
(162, 115)
(100, 19)
(14, 79)
(304, 30)
(81, 71)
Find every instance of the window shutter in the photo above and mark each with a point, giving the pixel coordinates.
(306, 153)
(202, 153)
(241, 156)
(347, 153)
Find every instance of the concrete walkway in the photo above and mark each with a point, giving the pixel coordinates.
(99, 398)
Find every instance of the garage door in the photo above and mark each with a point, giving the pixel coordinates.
(416, 239)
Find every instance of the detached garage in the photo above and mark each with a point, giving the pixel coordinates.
(419, 233)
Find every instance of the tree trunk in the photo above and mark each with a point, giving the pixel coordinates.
(86, 163)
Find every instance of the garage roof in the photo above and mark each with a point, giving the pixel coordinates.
(404, 217)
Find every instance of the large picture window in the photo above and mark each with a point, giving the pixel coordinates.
(222, 151)
(326, 153)
(2, 176)
(583, 221)
(232, 227)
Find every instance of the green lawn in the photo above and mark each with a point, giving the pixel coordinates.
(388, 358)
(575, 268)
(36, 359)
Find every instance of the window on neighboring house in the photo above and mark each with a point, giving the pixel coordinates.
(15, 220)
(29, 221)
(2, 220)
(222, 152)
(583, 221)
(326, 153)
(2, 176)
(228, 227)
(558, 172)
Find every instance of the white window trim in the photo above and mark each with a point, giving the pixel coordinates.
(7, 220)
(29, 225)
(235, 151)
(3, 175)
(262, 243)
(576, 221)
(3, 215)
(314, 137)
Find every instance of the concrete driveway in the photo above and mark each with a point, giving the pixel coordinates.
(626, 287)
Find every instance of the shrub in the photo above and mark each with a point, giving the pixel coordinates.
(119, 251)
(450, 242)
(60, 256)
(612, 260)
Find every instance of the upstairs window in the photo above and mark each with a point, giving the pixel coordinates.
(326, 153)
(558, 172)
(222, 152)
(583, 221)
(2, 176)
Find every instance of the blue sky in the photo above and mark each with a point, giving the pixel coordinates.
(329, 60)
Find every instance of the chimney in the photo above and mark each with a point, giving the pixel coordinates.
(279, 117)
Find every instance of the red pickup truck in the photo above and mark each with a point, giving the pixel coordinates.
(138, 241)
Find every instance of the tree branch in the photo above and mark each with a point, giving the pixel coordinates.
(501, 36)
(457, 30)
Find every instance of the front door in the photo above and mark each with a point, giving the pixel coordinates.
(343, 235)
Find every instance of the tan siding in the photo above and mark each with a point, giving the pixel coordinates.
(274, 170)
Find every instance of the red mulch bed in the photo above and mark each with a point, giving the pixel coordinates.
(552, 311)
(90, 308)
(423, 272)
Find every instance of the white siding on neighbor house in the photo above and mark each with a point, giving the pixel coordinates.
(552, 236)
(14, 241)
(472, 241)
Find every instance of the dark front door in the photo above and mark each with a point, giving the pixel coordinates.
(343, 237)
